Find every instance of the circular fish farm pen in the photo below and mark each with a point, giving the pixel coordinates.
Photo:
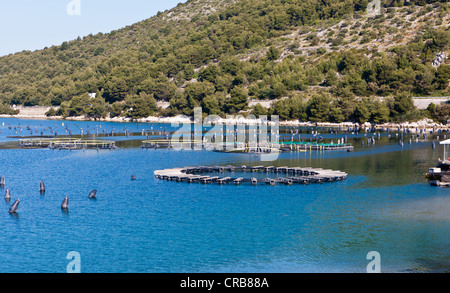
(67, 144)
(257, 174)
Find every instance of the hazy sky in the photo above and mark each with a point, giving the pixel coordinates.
(35, 24)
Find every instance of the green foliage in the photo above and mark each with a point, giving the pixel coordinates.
(319, 108)
(324, 108)
(196, 92)
(379, 112)
(439, 113)
(402, 105)
(216, 61)
(116, 109)
(115, 90)
(213, 105)
(51, 112)
(259, 110)
(331, 78)
(82, 105)
(142, 105)
(6, 110)
(238, 100)
(273, 54)
(442, 76)
(291, 108)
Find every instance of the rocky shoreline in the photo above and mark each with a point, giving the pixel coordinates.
(424, 125)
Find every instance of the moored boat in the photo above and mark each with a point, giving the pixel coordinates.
(440, 175)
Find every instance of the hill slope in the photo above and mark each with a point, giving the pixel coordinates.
(313, 57)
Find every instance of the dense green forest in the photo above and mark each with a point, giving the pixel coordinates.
(317, 60)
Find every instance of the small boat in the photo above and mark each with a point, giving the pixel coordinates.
(440, 175)
(441, 172)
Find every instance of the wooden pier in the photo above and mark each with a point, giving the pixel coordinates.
(67, 144)
(291, 175)
(239, 147)
(314, 146)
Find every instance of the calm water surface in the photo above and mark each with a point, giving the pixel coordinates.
(148, 225)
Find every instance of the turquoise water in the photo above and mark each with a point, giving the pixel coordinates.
(148, 225)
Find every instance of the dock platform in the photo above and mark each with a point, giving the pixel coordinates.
(234, 147)
(67, 143)
(299, 175)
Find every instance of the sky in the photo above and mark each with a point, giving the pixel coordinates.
(36, 24)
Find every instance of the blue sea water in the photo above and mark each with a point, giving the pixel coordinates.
(154, 226)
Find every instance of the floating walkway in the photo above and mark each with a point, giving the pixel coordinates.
(314, 146)
(67, 144)
(290, 176)
(239, 147)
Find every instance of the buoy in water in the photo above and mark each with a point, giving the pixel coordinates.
(14, 207)
(41, 187)
(93, 193)
(65, 203)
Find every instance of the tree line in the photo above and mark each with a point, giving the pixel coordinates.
(206, 61)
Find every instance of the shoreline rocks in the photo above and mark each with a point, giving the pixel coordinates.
(427, 125)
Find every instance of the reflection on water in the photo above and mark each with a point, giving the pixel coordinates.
(429, 209)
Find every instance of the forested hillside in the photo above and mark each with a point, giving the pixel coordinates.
(318, 60)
